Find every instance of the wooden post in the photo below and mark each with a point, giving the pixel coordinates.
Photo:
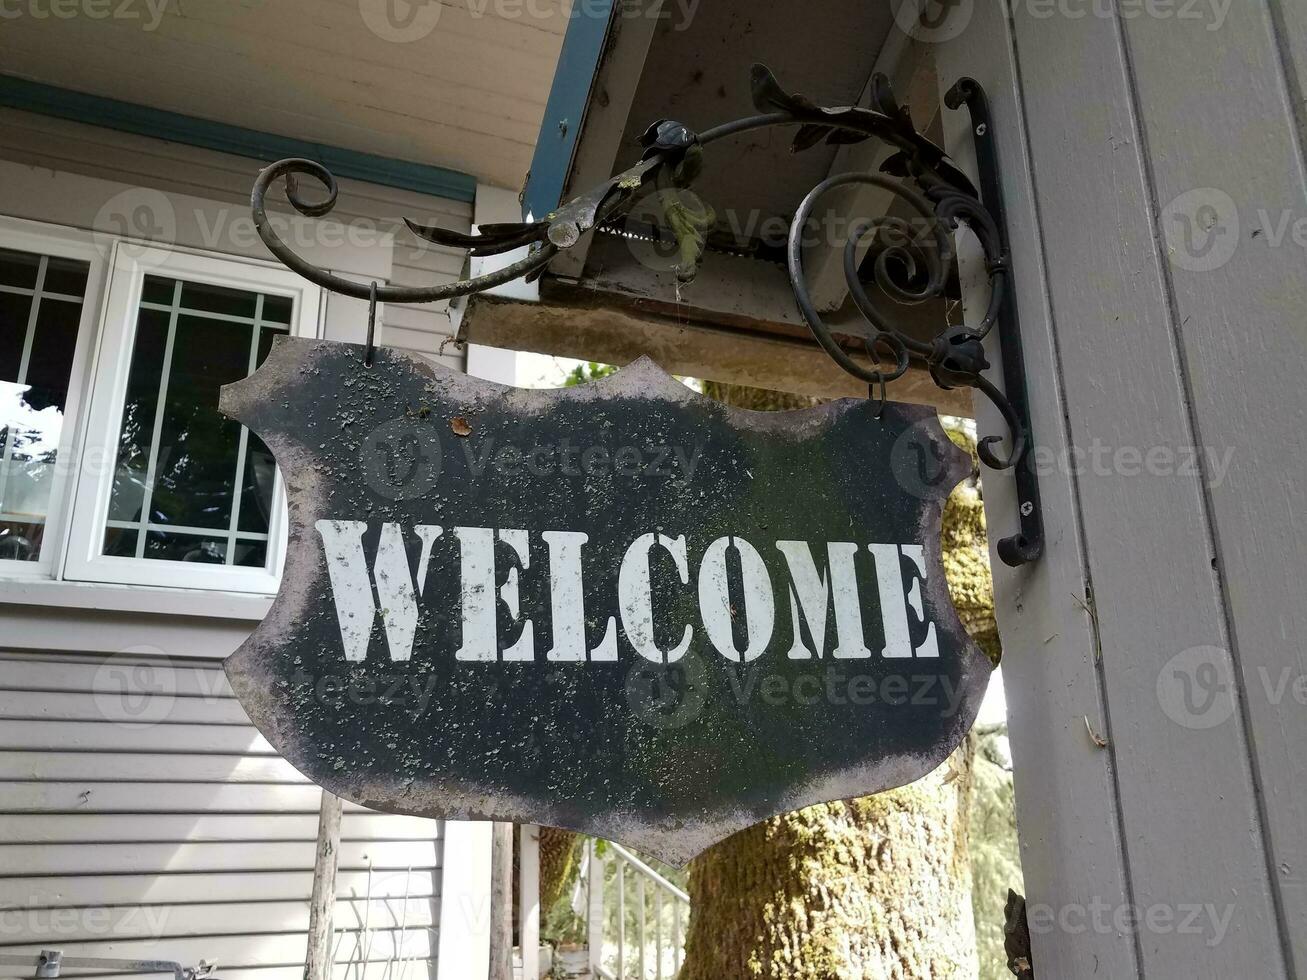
(501, 903)
(528, 865)
(595, 910)
(317, 960)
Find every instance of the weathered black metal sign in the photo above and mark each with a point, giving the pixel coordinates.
(620, 608)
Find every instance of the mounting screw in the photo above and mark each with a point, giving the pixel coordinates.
(1027, 509)
(49, 962)
(982, 129)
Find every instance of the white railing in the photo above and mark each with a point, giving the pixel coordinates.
(645, 938)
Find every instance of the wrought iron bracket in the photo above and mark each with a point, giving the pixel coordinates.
(911, 263)
(1027, 545)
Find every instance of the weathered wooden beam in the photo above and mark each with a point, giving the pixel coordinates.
(617, 328)
(501, 903)
(322, 903)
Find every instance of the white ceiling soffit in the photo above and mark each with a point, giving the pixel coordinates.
(459, 84)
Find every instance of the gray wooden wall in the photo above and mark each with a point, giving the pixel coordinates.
(143, 817)
(1153, 164)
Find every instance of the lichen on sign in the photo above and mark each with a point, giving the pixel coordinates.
(620, 608)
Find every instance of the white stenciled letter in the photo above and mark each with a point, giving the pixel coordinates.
(715, 600)
(893, 602)
(930, 645)
(811, 592)
(567, 599)
(636, 603)
(477, 559)
(356, 607)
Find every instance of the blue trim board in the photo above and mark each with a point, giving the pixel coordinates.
(128, 117)
(578, 63)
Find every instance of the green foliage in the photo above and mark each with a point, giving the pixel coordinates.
(587, 372)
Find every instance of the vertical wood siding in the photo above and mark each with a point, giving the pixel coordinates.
(1151, 342)
(141, 815)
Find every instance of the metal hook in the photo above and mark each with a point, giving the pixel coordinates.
(871, 389)
(372, 324)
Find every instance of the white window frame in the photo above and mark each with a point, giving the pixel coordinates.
(129, 264)
(18, 234)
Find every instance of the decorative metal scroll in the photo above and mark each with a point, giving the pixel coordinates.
(914, 270)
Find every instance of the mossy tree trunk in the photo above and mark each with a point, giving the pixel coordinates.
(877, 888)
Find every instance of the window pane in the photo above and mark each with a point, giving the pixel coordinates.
(18, 268)
(277, 309)
(251, 554)
(257, 487)
(51, 355)
(66, 276)
(218, 299)
(186, 547)
(128, 492)
(195, 484)
(196, 469)
(157, 289)
(14, 313)
(36, 359)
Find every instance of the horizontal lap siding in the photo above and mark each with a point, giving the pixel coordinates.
(163, 826)
(175, 169)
